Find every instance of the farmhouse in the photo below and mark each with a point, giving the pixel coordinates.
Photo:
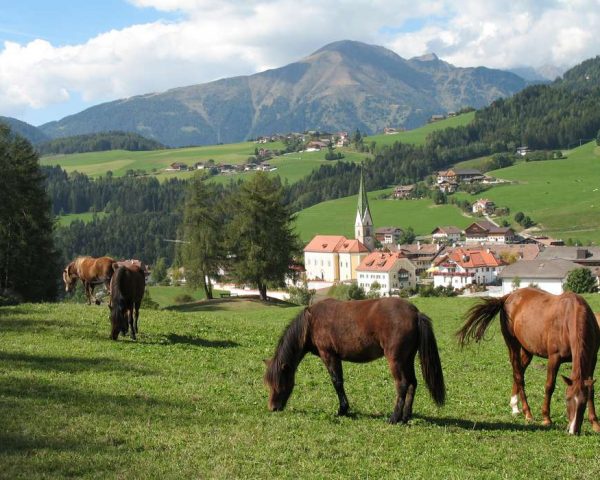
(484, 231)
(403, 191)
(549, 275)
(584, 256)
(449, 234)
(420, 254)
(177, 167)
(387, 235)
(392, 271)
(464, 266)
(455, 176)
(483, 206)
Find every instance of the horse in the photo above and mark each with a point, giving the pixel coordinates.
(561, 328)
(359, 331)
(126, 292)
(91, 271)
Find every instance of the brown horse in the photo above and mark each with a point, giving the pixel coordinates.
(359, 331)
(561, 328)
(91, 271)
(126, 292)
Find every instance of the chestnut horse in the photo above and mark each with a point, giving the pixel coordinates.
(91, 271)
(359, 331)
(561, 328)
(126, 292)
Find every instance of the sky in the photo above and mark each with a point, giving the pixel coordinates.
(58, 57)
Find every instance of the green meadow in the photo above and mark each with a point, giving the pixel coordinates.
(562, 196)
(187, 400)
(336, 217)
(418, 135)
(66, 220)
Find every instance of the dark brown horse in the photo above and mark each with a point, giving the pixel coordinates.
(359, 331)
(126, 292)
(561, 328)
(91, 271)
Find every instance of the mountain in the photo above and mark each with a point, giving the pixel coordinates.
(342, 86)
(31, 133)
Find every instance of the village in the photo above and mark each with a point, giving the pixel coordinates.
(483, 257)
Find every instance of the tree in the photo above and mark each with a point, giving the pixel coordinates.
(374, 290)
(598, 138)
(516, 283)
(159, 272)
(202, 251)
(28, 260)
(260, 235)
(439, 197)
(581, 280)
(519, 216)
(408, 236)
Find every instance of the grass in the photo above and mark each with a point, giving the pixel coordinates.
(562, 196)
(187, 400)
(66, 220)
(418, 135)
(336, 217)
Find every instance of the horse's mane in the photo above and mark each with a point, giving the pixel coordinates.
(585, 343)
(290, 348)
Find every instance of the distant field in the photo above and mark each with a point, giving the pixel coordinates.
(187, 400)
(418, 135)
(165, 296)
(66, 220)
(336, 217)
(562, 196)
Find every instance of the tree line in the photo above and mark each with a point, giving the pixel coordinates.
(98, 142)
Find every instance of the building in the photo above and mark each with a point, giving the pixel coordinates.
(422, 255)
(363, 225)
(456, 176)
(484, 206)
(584, 256)
(546, 274)
(403, 191)
(522, 151)
(392, 271)
(465, 266)
(177, 167)
(449, 234)
(388, 235)
(484, 231)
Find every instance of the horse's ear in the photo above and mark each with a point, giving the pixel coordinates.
(567, 380)
(589, 382)
(115, 266)
(267, 361)
(284, 367)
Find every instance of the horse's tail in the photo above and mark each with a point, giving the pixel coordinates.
(479, 318)
(117, 303)
(431, 366)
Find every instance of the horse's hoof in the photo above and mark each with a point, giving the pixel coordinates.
(546, 422)
(393, 420)
(596, 427)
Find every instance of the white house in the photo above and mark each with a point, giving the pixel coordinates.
(448, 234)
(484, 231)
(464, 266)
(546, 274)
(333, 258)
(483, 205)
(392, 271)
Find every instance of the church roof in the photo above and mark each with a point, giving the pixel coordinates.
(363, 201)
(325, 243)
(352, 246)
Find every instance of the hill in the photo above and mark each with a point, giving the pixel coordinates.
(187, 400)
(31, 133)
(98, 142)
(342, 86)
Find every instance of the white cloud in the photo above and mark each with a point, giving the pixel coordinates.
(221, 38)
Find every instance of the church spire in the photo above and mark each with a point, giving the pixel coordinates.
(364, 222)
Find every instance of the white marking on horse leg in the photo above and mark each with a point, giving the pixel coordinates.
(572, 423)
(514, 404)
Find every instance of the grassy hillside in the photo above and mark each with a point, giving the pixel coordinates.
(562, 196)
(187, 400)
(336, 217)
(418, 135)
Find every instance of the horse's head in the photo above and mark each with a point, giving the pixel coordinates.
(69, 277)
(280, 380)
(577, 396)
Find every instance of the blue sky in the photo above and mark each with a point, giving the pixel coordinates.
(58, 57)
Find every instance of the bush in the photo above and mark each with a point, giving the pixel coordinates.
(301, 295)
(439, 291)
(9, 297)
(581, 280)
(184, 298)
(355, 292)
(374, 290)
(148, 303)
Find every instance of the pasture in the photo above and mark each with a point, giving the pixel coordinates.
(562, 196)
(187, 400)
(336, 217)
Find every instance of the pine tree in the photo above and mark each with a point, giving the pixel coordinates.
(260, 234)
(28, 265)
(203, 234)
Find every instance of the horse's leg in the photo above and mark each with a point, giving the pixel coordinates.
(137, 315)
(412, 388)
(86, 287)
(553, 366)
(519, 359)
(115, 329)
(131, 325)
(401, 387)
(334, 367)
(591, 407)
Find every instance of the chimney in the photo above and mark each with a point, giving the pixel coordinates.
(418, 244)
(581, 253)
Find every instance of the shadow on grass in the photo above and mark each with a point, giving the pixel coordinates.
(229, 303)
(466, 424)
(68, 364)
(173, 338)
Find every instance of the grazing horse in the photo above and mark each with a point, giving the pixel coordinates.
(126, 292)
(91, 271)
(561, 328)
(359, 331)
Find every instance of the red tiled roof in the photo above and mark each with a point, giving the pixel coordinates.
(325, 243)
(379, 262)
(472, 258)
(351, 246)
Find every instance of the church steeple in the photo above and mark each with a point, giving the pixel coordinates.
(364, 222)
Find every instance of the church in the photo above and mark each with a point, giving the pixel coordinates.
(335, 258)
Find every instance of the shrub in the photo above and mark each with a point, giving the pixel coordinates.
(581, 280)
(183, 298)
(148, 303)
(301, 295)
